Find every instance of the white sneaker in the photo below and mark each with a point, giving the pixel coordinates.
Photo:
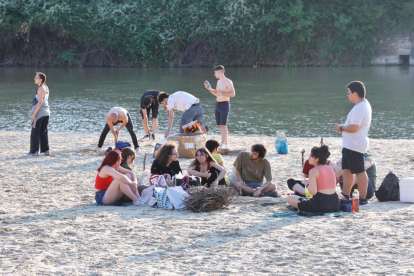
(222, 146)
(137, 150)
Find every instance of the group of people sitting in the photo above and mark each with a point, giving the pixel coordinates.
(116, 181)
(315, 192)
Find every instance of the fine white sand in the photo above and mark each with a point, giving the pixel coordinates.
(48, 226)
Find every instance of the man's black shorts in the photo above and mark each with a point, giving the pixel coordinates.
(353, 161)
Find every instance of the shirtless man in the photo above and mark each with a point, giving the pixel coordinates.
(118, 115)
(223, 92)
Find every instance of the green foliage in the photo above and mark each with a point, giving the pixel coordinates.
(241, 32)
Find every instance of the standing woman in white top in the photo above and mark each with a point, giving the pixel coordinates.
(39, 115)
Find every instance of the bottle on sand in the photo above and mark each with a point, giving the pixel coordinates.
(355, 201)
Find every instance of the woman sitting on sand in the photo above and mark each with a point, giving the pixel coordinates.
(206, 167)
(296, 185)
(321, 184)
(113, 181)
(166, 161)
(128, 158)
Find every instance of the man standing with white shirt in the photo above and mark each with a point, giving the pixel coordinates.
(223, 92)
(184, 102)
(355, 141)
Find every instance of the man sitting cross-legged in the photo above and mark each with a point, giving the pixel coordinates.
(251, 168)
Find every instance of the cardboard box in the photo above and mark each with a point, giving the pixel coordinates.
(188, 143)
(407, 189)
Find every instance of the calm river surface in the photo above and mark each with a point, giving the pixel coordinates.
(303, 102)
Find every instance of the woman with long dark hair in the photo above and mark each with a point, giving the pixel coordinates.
(166, 160)
(207, 168)
(39, 116)
(321, 184)
(113, 181)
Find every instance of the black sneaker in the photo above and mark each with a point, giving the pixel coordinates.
(363, 201)
(147, 136)
(108, 150)
(153, 137)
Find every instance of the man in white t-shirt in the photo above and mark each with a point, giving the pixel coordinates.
(184, 102)
(355, 141)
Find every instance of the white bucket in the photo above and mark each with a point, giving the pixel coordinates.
(407, 189)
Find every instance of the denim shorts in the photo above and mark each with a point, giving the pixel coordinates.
(99, 197)
(252, 185)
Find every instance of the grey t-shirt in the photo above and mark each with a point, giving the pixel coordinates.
(360, 115)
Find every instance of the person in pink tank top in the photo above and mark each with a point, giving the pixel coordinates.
(321, 184)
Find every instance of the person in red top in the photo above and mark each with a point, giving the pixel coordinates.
(113, 181)
(321, 184)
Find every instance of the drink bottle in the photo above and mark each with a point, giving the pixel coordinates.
(355, 201)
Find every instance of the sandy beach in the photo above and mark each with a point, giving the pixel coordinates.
(48, 226)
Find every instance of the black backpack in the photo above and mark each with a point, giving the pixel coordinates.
(389, 189)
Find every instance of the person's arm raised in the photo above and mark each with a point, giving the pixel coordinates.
(212, 91)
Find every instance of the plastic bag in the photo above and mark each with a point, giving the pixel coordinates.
(281, 142)
(177, 195)
(147, 197)
(162, 199)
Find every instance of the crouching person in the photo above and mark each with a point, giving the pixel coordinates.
(251, 169)
(113, 181)
(321, 184)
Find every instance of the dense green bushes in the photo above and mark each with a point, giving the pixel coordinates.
(239, 32)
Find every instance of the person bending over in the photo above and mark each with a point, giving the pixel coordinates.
(182, 101)
(250, 169)
(321, 184)
(115, 116)
(113, 181)
(206, 167)
(150, 104)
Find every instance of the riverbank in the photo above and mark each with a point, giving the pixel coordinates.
(48, 226)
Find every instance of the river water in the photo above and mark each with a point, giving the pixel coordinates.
(303, 102)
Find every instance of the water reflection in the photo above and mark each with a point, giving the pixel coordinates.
(301, 101)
